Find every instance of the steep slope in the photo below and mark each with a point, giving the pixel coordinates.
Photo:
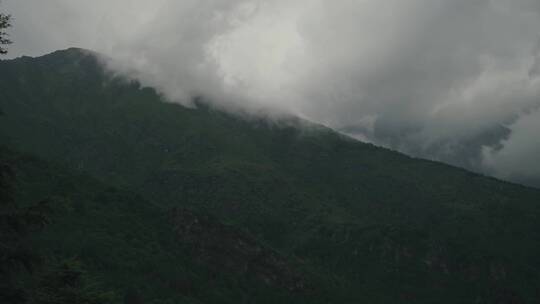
(127, 243)
(383, 226)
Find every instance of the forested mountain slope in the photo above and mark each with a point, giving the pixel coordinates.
(129, 246)
(373, 224)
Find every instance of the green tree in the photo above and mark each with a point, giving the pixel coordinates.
(4, 24)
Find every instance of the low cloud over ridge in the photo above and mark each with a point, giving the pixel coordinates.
(457, 81)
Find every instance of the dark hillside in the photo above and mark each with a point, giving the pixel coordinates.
(383, 226)
(127, 243)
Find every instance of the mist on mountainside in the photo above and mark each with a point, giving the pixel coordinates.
(215, 208)
(455, 81)
(244, 151)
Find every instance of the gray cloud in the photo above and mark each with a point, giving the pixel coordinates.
(454, 80)
(517, 157)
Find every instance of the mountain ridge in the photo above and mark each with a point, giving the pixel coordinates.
(75, 55)
(372, 219)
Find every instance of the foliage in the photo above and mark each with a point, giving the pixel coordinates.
(126, 243)
(4, 24)
(66, 282)
(16, 225)
(20, 264)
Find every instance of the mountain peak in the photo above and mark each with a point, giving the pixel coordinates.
(72, 54)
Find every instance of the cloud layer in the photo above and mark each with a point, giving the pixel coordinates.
(457, 81)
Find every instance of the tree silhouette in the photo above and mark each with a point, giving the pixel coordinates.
(4, 24)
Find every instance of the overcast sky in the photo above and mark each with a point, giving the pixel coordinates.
(452, 80)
